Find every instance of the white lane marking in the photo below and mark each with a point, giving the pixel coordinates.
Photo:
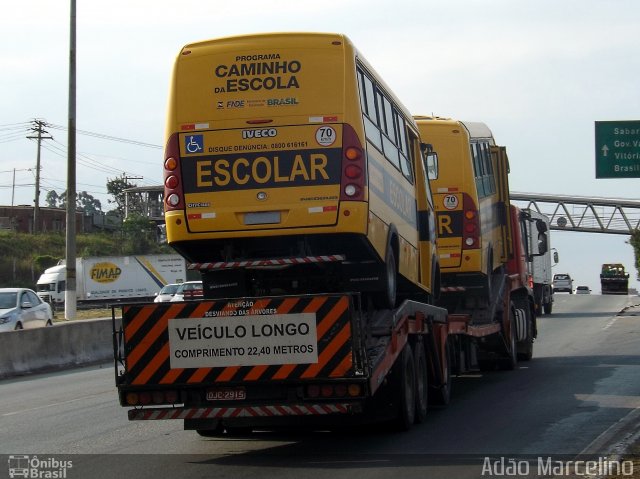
(49, 405)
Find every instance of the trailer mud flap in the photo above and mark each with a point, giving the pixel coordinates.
(262, 339)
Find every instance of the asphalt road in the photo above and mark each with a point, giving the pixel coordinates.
(580, 394)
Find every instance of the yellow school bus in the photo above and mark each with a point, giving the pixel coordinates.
(291, 167)
(469, 196)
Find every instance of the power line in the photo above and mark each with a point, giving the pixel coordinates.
(15, 126)
(13, 136)
(109, 137)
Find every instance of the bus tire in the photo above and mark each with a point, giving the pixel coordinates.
(435, 282)
(386, 298)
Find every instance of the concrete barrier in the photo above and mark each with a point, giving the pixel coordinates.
(60, 346)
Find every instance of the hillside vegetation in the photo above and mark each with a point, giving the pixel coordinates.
(25, 256)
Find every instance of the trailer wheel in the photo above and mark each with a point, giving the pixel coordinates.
(510, 362)
(526, 347)
(386, 299)
(217, 431)
(548, 306)
(405, 390)
(422, 382)
(440, 395)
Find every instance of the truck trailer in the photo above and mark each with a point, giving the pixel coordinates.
(225, 366)
(113, 278)
(230, 365)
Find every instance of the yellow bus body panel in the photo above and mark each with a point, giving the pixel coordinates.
(451, 140)
(260, 122)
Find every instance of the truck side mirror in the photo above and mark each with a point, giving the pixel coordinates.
(541, 226)
(556, 258)
(543, 244)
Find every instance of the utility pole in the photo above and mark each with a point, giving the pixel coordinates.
(70, 300)
(39, 129)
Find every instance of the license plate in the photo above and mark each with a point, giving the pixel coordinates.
(262, 218)
(226, 394)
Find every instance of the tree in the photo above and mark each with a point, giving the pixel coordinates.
(52, 199)
(84, 201)
(116, 187)
(140, 234)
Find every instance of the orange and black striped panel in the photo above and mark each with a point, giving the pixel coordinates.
(147, 341)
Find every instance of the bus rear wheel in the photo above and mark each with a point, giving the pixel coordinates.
(386, 298)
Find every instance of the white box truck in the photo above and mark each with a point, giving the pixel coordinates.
(113, 278)
(540, 264)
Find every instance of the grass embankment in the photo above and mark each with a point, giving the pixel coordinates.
(84, 314)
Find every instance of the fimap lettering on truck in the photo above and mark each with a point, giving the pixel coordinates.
(290, 166)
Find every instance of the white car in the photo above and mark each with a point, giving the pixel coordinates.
(562, 283)
(21, 308)
(583, 290)
(187, 291)
(166, 293)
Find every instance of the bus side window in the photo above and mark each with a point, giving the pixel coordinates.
(489, 179)
(389, 134)
(477, 168)
(368, 103)
(407, 158)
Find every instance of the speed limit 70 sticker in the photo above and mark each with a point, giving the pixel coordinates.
(326, 136)
(450, 202)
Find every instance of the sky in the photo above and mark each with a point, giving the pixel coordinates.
(539, 73)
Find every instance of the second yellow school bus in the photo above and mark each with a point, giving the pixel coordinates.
(290, 166)
(469, 195)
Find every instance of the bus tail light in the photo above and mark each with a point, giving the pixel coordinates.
(354, 177)
(470, 224)
(172, 177)
(171, 182)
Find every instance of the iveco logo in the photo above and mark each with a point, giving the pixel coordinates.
(259, 133)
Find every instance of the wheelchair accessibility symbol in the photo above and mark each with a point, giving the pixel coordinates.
(193, 143)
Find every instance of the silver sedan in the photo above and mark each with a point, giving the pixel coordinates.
(20, 308)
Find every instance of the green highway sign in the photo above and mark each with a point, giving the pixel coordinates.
(618, 149)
